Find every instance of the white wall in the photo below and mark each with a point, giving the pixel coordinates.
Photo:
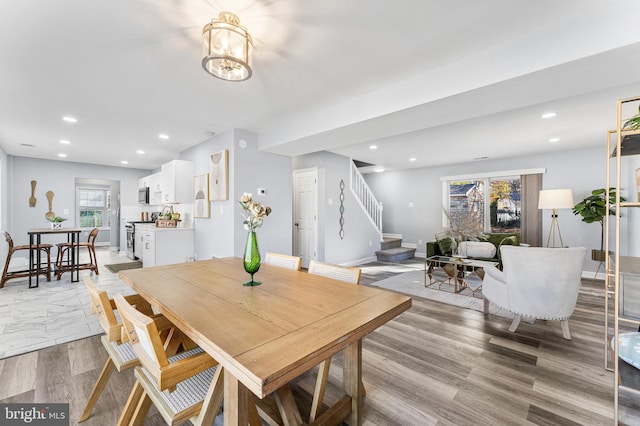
(59, 177)
(222, 234)
(580, 170)
(360, 237)
(4, 201)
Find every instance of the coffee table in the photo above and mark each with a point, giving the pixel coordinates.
(457, 269)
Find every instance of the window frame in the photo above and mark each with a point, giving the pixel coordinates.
(486, 177)
(106, 207)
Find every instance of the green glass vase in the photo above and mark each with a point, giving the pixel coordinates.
(251, 259)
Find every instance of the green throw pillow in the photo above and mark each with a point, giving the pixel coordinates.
(447, 246)
(507, 241)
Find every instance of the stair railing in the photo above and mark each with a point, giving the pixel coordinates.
(371, 206)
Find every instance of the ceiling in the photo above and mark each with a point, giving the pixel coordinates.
(441, 82)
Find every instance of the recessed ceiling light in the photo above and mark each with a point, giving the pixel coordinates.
(554, 140)
(412, 159)
(62, 155)
(549, 115)
(139, 151)
(373, 146)
(65, 142)
(379, 169)
(70, 119)
(163, 136)
(124, 162)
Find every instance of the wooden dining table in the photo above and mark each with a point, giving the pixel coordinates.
(265, 336)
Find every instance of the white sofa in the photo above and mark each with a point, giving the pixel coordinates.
(537, 282)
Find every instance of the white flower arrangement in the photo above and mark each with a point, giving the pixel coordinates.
(254, 212)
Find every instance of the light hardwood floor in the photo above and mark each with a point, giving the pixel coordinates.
(434, 364)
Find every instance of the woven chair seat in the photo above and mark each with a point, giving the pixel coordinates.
(188, 393)
(125, 351)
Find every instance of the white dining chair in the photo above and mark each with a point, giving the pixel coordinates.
(283, 261)
(342, 273)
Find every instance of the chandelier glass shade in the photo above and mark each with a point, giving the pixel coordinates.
(227, 48)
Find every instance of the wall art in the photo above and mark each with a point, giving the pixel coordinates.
(218, 188)
(201, 196)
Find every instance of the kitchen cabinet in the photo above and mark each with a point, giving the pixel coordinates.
(165, 246)
(153, 182)
(177, 181)
(137, 244)
(148, 247)
(155, 189)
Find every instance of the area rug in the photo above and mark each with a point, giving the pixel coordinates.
(117, 267)
(412, 283)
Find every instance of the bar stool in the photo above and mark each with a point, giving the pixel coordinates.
(63, 266)
(20, 273)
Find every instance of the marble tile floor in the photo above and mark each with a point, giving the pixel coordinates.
(55, 312)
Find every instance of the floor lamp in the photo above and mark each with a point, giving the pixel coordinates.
(555, 199)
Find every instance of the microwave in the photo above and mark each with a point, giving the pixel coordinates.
(143, 195)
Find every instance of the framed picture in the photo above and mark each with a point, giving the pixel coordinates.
(219, 176)
(201, 196)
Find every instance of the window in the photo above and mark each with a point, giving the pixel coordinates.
(486, 204)
(95, 208)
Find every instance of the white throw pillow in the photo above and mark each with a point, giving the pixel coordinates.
(478, 249)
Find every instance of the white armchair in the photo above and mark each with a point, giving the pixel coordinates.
(536, 282)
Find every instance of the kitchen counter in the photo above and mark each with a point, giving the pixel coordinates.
(152, 226)
(164, 246)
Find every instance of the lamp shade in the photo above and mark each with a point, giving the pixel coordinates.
(227, 48)
(555, 199)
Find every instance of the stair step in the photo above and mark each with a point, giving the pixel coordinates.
(389, 243)
(395, 254)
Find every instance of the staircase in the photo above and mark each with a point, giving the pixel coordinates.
(391, 250)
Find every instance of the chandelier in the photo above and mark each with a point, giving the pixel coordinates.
(227, 48)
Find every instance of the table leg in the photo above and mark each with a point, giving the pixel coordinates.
(352, 377)
(38, 260)
(236, 401)
(212, 401)
(75, 257)
(30, 259)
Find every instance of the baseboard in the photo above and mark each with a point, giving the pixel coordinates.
(386, 235)
(593, 275)
(359, 261)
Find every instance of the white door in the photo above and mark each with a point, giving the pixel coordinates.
(305, 215)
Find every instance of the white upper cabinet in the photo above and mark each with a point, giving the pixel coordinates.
(155, 190)
(153, 183)
(176, 181)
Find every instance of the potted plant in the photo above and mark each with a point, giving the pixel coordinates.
(594, 209)
(56, 221)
